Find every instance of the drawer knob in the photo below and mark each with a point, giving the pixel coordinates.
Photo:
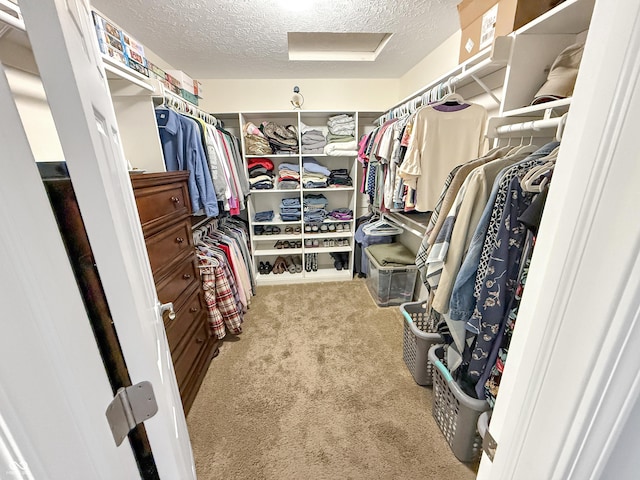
(199, 340)
(186, 276)
(193, 309)
(175, 199)
(179, 239)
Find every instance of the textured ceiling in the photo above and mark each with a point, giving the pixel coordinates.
(248, 38)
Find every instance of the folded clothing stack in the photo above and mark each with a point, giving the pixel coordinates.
(283, 140)
(290, 210)
(313, 141)
(340, 178)
(289, 176)
(261, 173)
(314, 175)
(341, 214)
(315, 208)
(342, 125)
(265, 216)
(255, 141)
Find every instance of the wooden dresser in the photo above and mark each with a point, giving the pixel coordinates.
(164, 208)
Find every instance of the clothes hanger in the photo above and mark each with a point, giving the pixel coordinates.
(381, 227)
(529, 183)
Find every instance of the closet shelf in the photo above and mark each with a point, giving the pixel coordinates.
(274, 190)
(277, 221)
(116, 70)
(327, 249)
(293, 155)
(558, 107)
(275, 238)
(348, 234)
(277, 251)
(279, 279)
(329, 274)
(328, 189)
(570, 17)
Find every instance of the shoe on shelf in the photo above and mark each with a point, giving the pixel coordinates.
(332, 227)
(314, 260)
(307, 262)
(267, 268)
(261, 268)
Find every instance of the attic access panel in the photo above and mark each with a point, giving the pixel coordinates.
(329, 46)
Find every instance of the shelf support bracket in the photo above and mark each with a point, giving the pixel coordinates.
(485, 88)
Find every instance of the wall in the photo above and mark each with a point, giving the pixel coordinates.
(224, 95)
(437, 63)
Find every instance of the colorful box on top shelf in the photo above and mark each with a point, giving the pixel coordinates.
(188, 96)
(109, 39)
(185, 82)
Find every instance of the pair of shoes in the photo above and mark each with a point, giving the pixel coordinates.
(279, 266)
(297, 229)
(332, 227)
(269, 230)
(258, 230)
(341, 260)
(264, 268)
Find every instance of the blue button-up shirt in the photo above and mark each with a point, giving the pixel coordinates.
(183, 150)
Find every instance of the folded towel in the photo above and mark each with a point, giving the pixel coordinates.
(343, 129)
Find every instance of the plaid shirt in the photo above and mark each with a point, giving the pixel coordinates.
(222, 308)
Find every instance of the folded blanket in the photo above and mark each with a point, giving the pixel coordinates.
(343, 148)
(392, 254)
(312, 166)
(313, 151)
(289, 166)
(333, 138)
(288, 184)
(315, 144)
(339, 119)
(343, 130)
(312, 135)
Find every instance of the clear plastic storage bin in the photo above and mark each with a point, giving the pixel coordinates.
(455, 412)
(390, 285)
(418, 337)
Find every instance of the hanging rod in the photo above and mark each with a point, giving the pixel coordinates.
(530, 126)
(14, 21)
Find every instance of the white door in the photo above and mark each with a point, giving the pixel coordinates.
(65, 47)
(569, 401)
(53, 385)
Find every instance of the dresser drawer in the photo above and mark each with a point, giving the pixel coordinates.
(162, 204)
(173, 285)
(197, 342)
(167, 245)
(178, 328)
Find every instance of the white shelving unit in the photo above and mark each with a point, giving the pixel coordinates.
(263, 245)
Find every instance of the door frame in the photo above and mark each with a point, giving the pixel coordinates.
(571, 382)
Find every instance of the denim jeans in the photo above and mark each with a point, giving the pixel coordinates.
(462, 300)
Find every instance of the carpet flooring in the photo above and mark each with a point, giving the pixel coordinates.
(315, 388)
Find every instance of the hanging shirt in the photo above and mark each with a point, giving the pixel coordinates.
(183, 150)
(440, 138)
